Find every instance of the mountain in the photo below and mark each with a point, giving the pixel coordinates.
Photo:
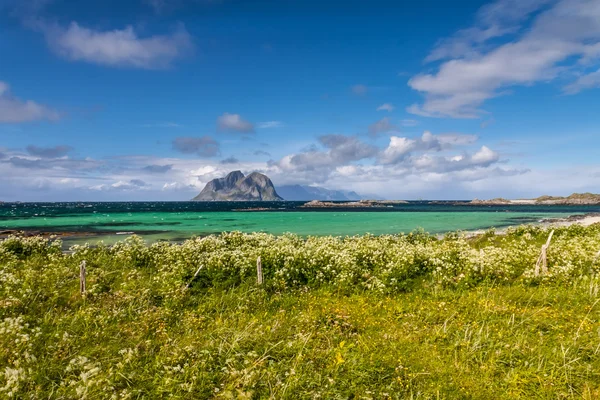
(237, 187)
(305, 193)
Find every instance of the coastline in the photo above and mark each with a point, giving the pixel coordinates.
(576, 219)
(580, 219)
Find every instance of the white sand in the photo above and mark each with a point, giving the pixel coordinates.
(586, 221)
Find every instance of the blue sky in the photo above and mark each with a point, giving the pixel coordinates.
(150, 99)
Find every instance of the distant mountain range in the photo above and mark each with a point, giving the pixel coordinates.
(237, 187)
(307, 193)
(258, 187)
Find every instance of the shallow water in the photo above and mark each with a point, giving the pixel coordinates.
(177, 221)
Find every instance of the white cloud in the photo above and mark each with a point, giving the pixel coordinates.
(234, 122)
(485, 156)
(589, 81)
(119, 47)
(176, 186)
(494, 20)
(14, 110)
(386, 107)
(432, 169)
(398, 148)
(270, 124)
(418, 153)
(555, 39)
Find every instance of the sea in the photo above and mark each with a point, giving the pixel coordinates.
(90, 222)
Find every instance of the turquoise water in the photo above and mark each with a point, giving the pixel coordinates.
(178, 221)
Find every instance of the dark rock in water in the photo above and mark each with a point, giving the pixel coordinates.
(237, 187)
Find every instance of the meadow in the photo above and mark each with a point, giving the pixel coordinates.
(367, 317)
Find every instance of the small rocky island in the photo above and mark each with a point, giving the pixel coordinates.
(353, 204)
(237, 187)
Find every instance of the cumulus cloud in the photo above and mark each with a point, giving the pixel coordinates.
(234, 123)
(204, 146)
(400, 148)
(262, 153)
(338, 150)
(382, 126)
(560, 34)
(158, 169)
(270, 124)
(14, 110)
(386, 107)
(434, 166)
(317, 165)
(49, 152)
(118, 47)
(347, 156)
(343, 149)
(416, 156)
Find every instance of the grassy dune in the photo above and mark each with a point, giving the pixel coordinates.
(404, 316)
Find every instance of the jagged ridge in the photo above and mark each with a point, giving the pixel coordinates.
(237, 187)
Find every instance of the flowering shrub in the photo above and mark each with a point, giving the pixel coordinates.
(149, 326)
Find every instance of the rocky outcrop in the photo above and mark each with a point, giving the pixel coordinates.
(497, 201)
(237, 187)
(574, 199)
(353, 204)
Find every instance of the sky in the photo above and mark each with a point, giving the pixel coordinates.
(151, 99)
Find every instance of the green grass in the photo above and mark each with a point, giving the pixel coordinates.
(361, 318)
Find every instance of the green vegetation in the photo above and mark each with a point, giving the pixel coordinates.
(366, 317)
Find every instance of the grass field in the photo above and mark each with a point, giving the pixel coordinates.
(404, 316)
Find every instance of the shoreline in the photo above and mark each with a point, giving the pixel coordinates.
(576, 219)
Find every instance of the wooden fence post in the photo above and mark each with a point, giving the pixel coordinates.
(82, 271)
(193, 277)
(543, 258)
(259, 273)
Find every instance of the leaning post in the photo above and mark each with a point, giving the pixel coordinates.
(82, 271)
(259, 273)
(542, 261)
